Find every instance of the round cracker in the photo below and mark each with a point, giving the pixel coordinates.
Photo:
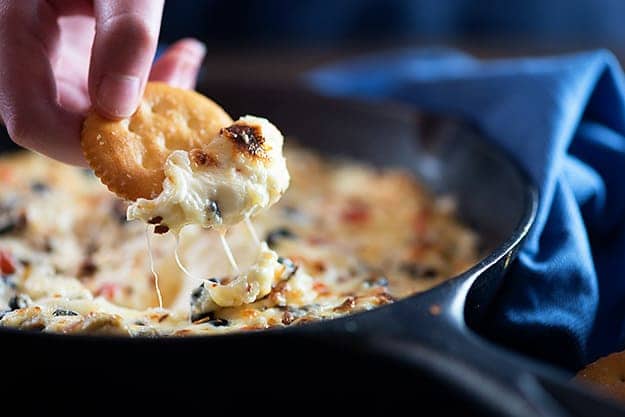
(607, 373)
(128, 155)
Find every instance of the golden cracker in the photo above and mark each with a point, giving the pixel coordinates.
(128, 155)
(607, 374)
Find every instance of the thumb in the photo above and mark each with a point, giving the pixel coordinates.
(123, 49)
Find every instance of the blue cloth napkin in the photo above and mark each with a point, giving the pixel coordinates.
(563, 119)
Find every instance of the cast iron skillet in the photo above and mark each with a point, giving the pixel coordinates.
(422, 344)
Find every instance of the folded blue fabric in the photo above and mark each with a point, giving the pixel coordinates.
(563, 119)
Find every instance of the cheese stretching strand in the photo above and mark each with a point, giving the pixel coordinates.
(159, 296)
(184, 270)
(236, 175)
(251, 230)
(228, 252)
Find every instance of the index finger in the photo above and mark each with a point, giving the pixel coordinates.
(123, 49)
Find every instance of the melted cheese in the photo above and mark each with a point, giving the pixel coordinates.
(90, 272)
(228, 184)
(236, 175)
(267, 271)
(228, 252)
(152, 270)
(253, 284)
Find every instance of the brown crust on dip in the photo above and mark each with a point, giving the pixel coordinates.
(201, 158)
(248, 139)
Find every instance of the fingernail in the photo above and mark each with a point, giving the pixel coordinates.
(198, 46)
(118, 95)
(192, 46)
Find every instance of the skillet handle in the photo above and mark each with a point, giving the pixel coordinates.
(435, 338)
(503, 383)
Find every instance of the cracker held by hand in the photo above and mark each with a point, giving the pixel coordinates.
(236, 175)
(129, 155)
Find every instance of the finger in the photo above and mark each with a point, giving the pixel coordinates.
(72, 96)
(72, 67)
(180, 63)
(68, 12)
(28, 94)
(75, 47)
(123, 50)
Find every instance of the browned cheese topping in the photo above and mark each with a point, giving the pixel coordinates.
(344, 238)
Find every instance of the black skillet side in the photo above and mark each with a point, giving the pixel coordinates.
(383, 352)
(493, 196)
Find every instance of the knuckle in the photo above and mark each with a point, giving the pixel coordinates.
(9, 14)
(21, 130)
(133, 28)
(5, 8)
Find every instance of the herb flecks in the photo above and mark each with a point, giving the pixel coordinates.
(61, 312)
(277, 234)
(213, 210)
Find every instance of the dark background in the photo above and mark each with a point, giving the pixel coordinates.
(268, 39)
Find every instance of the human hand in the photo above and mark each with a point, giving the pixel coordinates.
(58, 58)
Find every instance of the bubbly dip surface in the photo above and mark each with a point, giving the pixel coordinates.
(345, 237)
